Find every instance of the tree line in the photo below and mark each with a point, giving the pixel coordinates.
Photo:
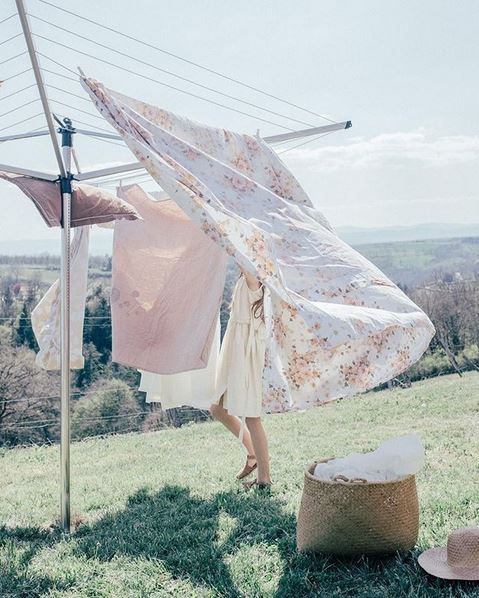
(105, 398)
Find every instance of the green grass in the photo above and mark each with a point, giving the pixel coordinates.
(162, 515)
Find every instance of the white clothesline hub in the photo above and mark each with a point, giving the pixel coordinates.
(63, 156)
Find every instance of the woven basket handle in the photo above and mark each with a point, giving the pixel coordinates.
(342, 478)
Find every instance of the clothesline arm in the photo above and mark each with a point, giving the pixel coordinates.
(271, 140)
(24, 136)
(46, 176)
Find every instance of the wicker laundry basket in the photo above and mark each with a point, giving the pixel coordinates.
(352, 518)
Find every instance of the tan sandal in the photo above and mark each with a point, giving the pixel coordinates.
(255, 485)
(247, 469)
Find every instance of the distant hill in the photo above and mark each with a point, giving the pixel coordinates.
(99, 245)
(360, 236)
(101, 242)
(408, 262)
(414, 263)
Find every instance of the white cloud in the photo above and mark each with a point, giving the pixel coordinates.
(392, 150)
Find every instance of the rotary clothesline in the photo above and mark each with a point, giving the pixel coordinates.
(64, 156)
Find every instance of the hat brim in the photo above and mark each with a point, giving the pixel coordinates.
(434, 562)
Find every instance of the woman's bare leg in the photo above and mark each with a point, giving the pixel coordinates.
(260, 444)
(233, 424)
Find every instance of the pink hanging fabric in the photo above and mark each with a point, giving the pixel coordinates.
(168, 280)
(89, 205)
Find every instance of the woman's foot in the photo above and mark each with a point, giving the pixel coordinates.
(248, 468)
(255, 485)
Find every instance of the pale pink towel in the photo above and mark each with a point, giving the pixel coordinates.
(168, 280)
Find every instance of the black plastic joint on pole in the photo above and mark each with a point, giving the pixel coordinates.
(67, 130)
(67, 135)
(66, 183)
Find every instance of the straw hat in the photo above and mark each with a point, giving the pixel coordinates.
(460, 560)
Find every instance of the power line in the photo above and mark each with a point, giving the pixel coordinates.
(16, 428)
(98, 419)
(147, 78)
(49, 398)
(187, 61)
(172, 74)
(85, 318)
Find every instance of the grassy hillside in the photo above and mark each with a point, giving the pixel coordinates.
(408, 262)
(161, 514)
(417, 262)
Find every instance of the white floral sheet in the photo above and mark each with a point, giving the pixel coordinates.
(336, 325)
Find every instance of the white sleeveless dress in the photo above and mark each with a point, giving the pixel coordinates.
(241, 360)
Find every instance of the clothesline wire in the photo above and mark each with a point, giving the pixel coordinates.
(87, 124)
(13, 58)
(22, 121)
(125, 177)
(162, 83)
(10, 38)
(17, 74)
(110, 141)
(8, 18)
(54, 101)
(70, 93)
(19, 107)
(315, 138)
(18, 91)
(67, 68)
(114, 180)
(171, 73)
(187, 61)
(58, 74)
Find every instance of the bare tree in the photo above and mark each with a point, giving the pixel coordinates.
(28, 398)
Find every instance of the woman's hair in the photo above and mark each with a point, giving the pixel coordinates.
(258, 306)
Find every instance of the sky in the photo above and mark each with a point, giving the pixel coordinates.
(403, 72)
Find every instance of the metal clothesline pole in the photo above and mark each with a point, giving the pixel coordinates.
(63, 160)
(67, 132)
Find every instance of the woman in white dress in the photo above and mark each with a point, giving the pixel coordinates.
(239, 378)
